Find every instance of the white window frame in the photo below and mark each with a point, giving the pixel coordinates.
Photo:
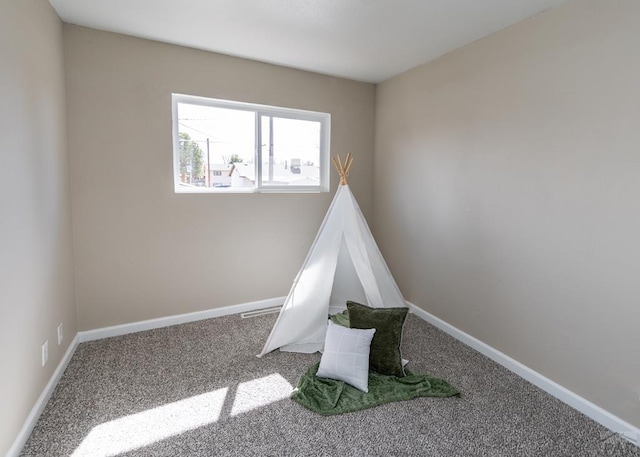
(260, 110)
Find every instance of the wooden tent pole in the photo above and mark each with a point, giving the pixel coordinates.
(348, 163)
(343, 168)
(335, 164)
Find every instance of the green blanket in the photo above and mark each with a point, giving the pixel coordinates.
(329, 397)
(341, 318)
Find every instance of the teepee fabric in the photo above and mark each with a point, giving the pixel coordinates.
(344, 263)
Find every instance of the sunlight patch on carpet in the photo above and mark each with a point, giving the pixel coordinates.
(260, 392)
(147, 427)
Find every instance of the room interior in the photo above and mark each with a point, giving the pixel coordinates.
(499, 180)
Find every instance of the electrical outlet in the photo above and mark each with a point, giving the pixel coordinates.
(60, 336)
(45, 352)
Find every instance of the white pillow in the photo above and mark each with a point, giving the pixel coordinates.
(346, 355)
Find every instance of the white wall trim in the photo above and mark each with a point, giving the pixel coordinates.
(583, 405)
(117, 330)
(41, 402)
(563, 394)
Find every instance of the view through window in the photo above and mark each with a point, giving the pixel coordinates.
(222, 146)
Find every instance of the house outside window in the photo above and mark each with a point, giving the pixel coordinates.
(227, 146)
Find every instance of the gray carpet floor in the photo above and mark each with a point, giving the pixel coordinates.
(198, 389)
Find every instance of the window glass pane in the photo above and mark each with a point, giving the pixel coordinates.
(228, 146)
(290, 152)
(211, 140)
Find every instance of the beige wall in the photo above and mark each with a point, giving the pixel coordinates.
(36, 260)
(507, 196)
(143, 251)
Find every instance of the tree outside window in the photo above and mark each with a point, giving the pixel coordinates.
(191, 160)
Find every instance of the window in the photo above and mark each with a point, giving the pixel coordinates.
(226, 146)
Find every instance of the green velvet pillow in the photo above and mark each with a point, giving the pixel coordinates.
(385, 356)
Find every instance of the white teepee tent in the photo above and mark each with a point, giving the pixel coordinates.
(344, 263)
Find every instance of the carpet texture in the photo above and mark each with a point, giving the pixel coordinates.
(198, 389)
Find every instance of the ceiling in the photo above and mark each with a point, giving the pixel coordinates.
(365, 40)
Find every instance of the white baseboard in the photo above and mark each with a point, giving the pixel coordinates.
(37, 409)
(591, 410)
(89, 335)
(117, 330)
(563, 394)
